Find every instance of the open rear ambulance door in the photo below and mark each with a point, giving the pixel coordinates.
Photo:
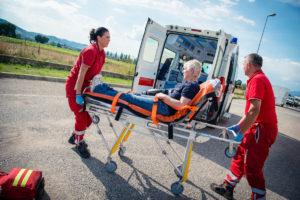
(212, 112)
(231, 83)
(149, 56)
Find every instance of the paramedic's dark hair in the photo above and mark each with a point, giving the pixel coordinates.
(255, 59)
(94, 33)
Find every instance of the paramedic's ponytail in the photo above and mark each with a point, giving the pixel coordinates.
(94, 33)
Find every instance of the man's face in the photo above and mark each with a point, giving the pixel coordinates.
(245, 65)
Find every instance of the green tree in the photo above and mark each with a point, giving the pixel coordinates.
(41, 39)
(8, 29)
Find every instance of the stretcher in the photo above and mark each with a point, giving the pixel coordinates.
(160, 128)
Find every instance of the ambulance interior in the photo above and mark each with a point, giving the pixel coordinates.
(179, 49)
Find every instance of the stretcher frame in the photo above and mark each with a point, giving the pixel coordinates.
(96, 108)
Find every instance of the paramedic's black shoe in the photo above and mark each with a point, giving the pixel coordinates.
(72, 139)
(83, 150)
(224, 189)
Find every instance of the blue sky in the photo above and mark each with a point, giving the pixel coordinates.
(126, 20)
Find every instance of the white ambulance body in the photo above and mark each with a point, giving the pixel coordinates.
(164, 50)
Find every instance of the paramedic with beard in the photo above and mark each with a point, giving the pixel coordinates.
(257, 131)
(89, 63)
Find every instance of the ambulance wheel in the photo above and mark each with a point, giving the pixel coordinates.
(228, 154)
(95, 119)
(111, 166)
(121, 151)
(177, 188)
(179, 167)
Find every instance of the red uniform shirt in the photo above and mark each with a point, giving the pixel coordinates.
(259, 87)
(90, 56)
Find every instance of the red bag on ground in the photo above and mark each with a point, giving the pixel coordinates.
(22, 184)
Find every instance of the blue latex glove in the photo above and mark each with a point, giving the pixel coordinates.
(236, 128)
(239, 137)
(79, 99)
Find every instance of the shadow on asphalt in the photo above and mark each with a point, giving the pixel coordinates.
(118, 188)
(281, 168)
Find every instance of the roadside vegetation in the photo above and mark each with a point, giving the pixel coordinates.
(41, 71)
(48, 53)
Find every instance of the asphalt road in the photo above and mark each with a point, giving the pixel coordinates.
(35, 123)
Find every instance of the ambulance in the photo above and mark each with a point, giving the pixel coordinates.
(164, 50)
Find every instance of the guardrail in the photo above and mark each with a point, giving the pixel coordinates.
(26, 61)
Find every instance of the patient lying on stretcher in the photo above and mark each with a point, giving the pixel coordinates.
(178, 97)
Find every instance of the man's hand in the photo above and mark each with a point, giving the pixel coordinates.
(239, 137)
(160, 95)
(79, 99)
(236, 128)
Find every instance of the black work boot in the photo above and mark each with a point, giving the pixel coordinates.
(224, 189)
(72, 139)
(83, 150)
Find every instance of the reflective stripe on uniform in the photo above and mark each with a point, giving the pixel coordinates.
(232, 179)
(15, 183)
(258, 191)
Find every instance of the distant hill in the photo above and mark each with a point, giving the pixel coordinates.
(30, 35)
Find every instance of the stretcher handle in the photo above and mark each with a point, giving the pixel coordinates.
(220, 127)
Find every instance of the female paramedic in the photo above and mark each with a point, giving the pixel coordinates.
(89, 63)
(178, 97)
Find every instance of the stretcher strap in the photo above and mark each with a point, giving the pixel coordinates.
(154, 111)
(170, 131)
(115, 101)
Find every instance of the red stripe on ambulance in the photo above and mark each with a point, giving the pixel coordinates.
(146, 81)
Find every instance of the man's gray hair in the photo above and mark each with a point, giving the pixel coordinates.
(196, 65)
(255, 59)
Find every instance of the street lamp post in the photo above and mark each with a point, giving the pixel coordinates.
(271, 15)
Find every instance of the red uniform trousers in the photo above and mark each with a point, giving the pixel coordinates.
(82, 119)
(251, 156)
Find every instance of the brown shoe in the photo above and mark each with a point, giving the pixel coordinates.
(224, 189)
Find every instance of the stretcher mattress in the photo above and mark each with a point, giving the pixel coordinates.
(207, 89)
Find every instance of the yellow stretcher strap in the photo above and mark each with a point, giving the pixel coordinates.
(154, 111)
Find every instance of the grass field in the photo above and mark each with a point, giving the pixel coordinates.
(41, 71)
(44, 52)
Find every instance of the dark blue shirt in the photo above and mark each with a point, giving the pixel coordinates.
(187, 90)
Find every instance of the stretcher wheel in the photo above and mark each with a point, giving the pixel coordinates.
(179, 167)
(121, 151)
(177, 188)
(95, 119)
(111, 166)
(228, 154)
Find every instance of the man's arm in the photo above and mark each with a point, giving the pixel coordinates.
(173, 102)
(251, 115)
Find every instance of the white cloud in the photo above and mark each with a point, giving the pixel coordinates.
(230, 2)
(243, 19)
(120, 11)
(292, 2)
(53, 18)
(251, 1)
(136, 31)
(280, 71)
